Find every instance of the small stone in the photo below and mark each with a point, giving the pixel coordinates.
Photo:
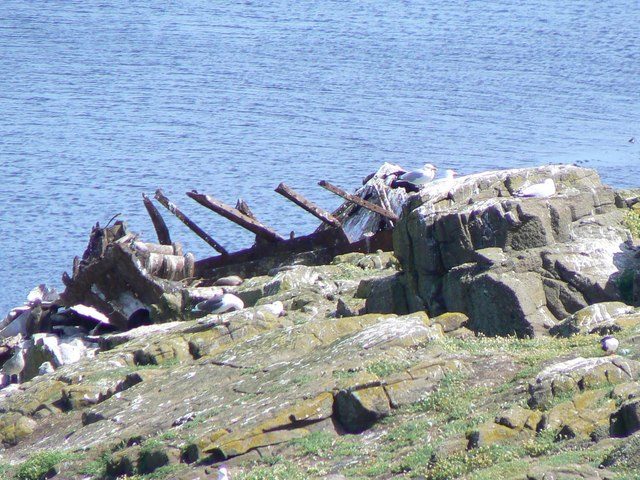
(230, 281)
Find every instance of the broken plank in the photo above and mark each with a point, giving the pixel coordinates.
(162, 231)
(309, 206)
(236, 216)
(359, 201)
(165, 202)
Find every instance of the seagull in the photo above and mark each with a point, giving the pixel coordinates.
(419, 177)
(15, 364)
(220, 304)
(632, 140)
(276, 308)
(609, 344)
(45, 368)
(450, 174)
(223, 474)
(544, 189)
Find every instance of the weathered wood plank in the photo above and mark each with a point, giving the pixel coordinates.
(162, 231)
(165, 202)
(359, 201)
(307, 205)
(236, 216)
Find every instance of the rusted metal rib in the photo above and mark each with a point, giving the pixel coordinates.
(165, 202)
(307, 205)
(236, 216)
(162, 231)
(359, 201)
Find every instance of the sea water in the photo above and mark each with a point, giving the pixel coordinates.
(101, 101)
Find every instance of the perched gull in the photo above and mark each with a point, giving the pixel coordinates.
(609, 344)
(15, 364)
(223, 474)
(220, 304)
(45, 368)
(276, 308)
(544, 189)
(419, 177)
(450, 174)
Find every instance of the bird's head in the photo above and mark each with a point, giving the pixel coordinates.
(450, 173)
(430, 167)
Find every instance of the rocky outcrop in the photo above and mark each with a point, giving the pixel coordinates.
(514, 265)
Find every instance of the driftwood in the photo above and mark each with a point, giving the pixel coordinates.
(359, 201)
(236, 216)
(164, 201)
(162, 231)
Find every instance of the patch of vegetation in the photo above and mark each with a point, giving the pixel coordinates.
(281, 470)
(543, 443)
(37, 466)
(459, 464)
(632, 222)
(452, 398)
(98, 467)
(340, 374)
(324, 444)
(624, 282)
(385, 368)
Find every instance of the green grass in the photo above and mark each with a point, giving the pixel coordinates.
(37, 466)
(385, 368)
(632, 222)
(281, 470)
(326, 445)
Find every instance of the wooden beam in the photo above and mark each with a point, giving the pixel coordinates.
(162, 231)
(359, 201)
(236, 216)
(165, 202)
(309, 206)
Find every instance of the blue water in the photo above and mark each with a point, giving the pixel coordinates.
(103, 100)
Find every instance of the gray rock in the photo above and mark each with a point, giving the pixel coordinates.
(513, 265)
(357, 410)
(598, 318)
(579, 374)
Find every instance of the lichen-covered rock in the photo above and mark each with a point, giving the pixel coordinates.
(384, 295)
(628, 417)
(581, 416)
(357, 410)
(598, 318)
(518, 418)
(14, 427)
(491, 433)
(626, 454)
(568, 472)
(579, 374)
(513, 265)
(451, 321)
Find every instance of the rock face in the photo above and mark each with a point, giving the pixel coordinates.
(513, 265)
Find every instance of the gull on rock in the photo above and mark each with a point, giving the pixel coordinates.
(539, 190)
(15, 364)
(609, 344)
(226, 302)
(419, 177)
(450, 174)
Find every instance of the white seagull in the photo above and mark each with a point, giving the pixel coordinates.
(220, 304)
(15, 364)
(421, 176)
(223, 474)
(450, 174)
(540, 190)
(609, 344)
